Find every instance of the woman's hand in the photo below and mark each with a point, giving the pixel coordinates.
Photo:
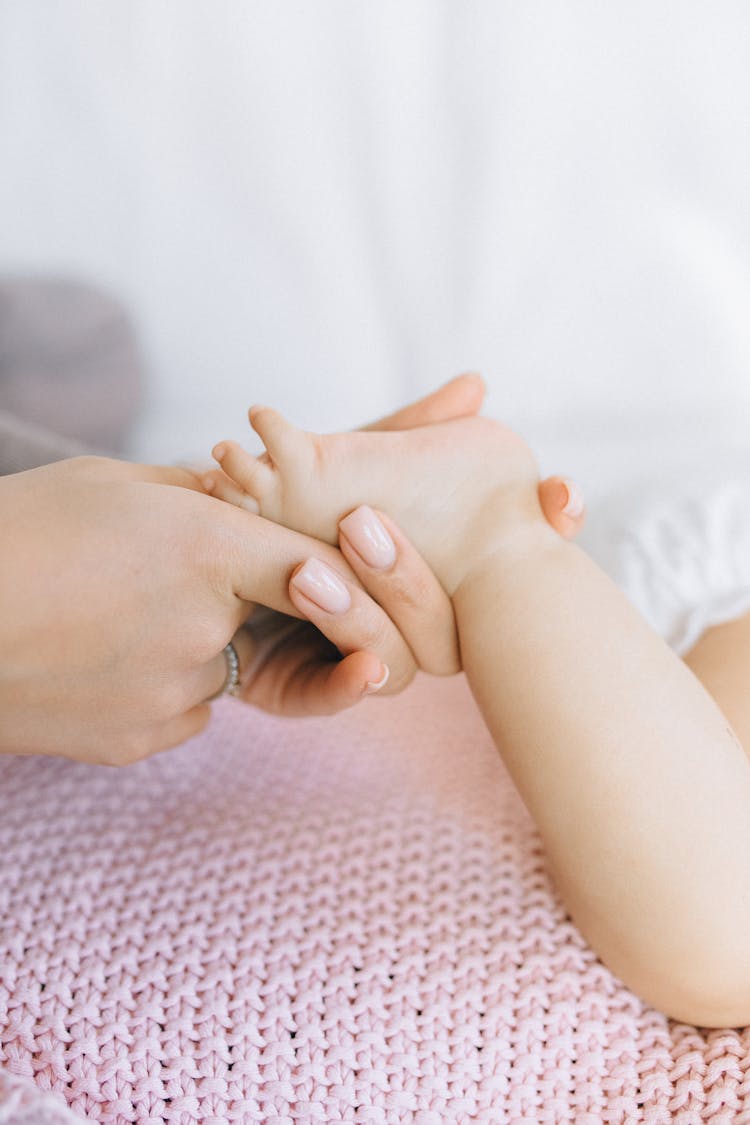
(364, 644)
(119, 591)
(406, 623)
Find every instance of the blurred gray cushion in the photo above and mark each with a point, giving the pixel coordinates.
(70, 370)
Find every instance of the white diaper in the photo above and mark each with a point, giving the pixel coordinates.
(680, 550)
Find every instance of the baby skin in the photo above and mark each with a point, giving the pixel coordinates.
(457, 483)
(638, 785)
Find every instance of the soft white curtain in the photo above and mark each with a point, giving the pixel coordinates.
(332, 206)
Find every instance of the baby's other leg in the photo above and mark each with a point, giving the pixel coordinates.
(721, 661)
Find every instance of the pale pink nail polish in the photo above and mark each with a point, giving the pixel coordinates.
(369, 538)
(323, 586)
(575, 505)
(372, 686)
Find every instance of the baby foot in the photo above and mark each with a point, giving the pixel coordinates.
(455, 487)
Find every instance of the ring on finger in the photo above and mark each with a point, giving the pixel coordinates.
(231, 685)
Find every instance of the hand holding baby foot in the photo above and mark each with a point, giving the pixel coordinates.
(360, 645)
(405, 624)
(408, 620)
(560, 499)
(455, 487)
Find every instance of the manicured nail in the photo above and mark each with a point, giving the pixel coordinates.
(323, 586)
(575, 504)
(369, 538)
(372, 686)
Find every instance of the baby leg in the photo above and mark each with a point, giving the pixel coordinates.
(640, 789)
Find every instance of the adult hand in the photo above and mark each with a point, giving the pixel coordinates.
(407, 622)
(292, 667)
(118, 593)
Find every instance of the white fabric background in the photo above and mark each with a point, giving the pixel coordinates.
(334, 206)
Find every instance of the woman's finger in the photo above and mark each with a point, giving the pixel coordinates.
(397, 577)
(174, 732)
(458, 398)
(327, 687)
(206, 682)
(107, 468)
(295, 670)
(563, 505)
(353, 622)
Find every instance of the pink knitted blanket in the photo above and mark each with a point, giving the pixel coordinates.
(344, 920)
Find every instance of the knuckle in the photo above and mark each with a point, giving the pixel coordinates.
(173, 698)
(410, 590)
(375, 633)
(420, 608)
(442, 663)
(167, 699)
(204, 646)
(124, 753)
(144, 750)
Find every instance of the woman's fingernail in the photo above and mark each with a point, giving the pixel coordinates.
(323, 586)
(369, 538)
(575, 504)
(375, 685)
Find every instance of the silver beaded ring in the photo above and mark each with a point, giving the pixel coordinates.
(231, 685)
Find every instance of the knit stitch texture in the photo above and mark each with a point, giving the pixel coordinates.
(339, 920)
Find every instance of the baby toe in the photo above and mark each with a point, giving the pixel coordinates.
(282, 440)
(253, 476)
(222, 487)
